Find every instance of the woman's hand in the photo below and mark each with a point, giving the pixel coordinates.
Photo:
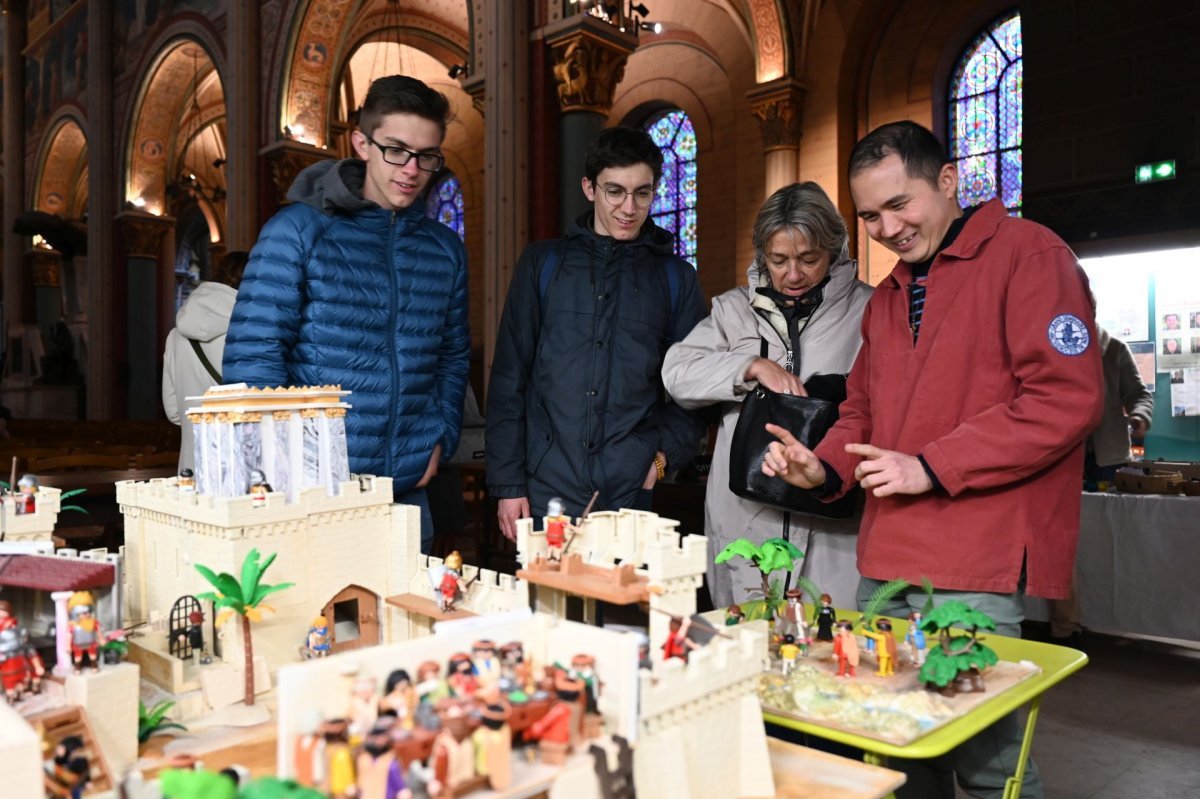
(775, 377)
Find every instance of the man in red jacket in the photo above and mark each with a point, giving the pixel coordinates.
(966, 410)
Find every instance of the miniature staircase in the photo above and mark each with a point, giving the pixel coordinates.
(58, 724)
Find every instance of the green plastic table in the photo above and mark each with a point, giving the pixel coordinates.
(1057, 663)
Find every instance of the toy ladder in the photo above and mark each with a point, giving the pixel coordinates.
(58, 724)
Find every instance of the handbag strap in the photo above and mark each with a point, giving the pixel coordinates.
(208, 367)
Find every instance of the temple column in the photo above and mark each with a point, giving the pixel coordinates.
(779, 107)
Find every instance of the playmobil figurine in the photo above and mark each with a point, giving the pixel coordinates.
(583, 667)
(186, 482)
(337, 776)
(493, 747)
(363, 709)
(885, 647)
(788, 652)
(84, 630)
(793, 614)
(734, 615)
(556, 732)
(447, 581)
(259, 488)
(516, 674)
(399, 698)
(453, 756)
(431, 688)
(485, 663)
(21, 667)
(380, 774)
(845, 648)
(460, 676)
(7, 619)
(915, 638)
(68, 771)
(316, 643)
(193, 636)
(678, 644)
(825, 618)
(26, 500)
(557, 523)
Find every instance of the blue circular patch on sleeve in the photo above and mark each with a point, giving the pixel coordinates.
(1068, 334)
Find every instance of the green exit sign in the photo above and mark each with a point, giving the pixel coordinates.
(1159, 170)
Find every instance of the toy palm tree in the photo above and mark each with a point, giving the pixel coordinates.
(957, 658)
(245, 599)
(772, 555)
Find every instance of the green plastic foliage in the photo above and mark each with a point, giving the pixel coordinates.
(958, 613)
(181, 784)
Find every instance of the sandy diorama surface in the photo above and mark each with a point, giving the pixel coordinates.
(896, 709)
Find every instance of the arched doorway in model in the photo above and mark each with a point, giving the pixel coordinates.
(353, 614)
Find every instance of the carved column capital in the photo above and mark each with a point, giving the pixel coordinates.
(143, 233)
(287, 159)
(779, 106)
(476, 86)
(589, 61)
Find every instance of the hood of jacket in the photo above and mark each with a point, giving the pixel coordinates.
(842, 277)
(205, 315)
(337, 187)
(651, 236)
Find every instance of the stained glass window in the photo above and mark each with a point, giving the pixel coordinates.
(445, 204)
(674, 206)
(985, 116)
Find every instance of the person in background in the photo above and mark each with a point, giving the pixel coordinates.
(1128, 409)
(196, 345)
(804, 303)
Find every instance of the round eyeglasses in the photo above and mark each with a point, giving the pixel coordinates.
(615, 195)
(400, 156)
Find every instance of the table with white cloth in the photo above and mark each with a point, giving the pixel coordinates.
(1138, 566)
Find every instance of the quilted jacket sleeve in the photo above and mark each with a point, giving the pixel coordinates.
(266, 317)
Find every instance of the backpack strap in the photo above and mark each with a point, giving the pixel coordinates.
(548, 267)
(208, 367)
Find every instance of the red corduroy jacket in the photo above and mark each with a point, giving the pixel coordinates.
(998, 394)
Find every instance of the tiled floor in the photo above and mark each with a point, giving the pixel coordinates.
(1125, 727)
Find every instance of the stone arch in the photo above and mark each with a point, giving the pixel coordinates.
(325, 37)
(772, 40)
(174, 135)
(60, 176)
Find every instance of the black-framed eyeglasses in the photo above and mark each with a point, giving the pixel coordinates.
(615, 195)
(399, 156)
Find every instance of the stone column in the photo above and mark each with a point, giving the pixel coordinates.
(505, 93)
(104, 194)
(14, 162)
(589, 58)
(779, 106)
(243, 125)
(62, 636)
(143, 235)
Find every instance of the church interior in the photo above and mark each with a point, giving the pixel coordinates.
(143, 140)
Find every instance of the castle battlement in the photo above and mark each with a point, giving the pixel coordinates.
(723, 666)
(162, 500)
(672, 557)
(36, 526)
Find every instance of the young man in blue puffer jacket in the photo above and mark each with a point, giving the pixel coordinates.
(352, 285)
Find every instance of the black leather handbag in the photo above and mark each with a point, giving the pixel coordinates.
(808, 419)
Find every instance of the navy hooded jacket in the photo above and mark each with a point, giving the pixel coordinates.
(576, 401)
(340, 291)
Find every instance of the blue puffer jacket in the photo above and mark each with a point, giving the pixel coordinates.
(341, 291)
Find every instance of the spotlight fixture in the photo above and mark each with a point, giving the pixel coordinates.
(640, 9)
(653, 27)
(456, 70)
(218, 163)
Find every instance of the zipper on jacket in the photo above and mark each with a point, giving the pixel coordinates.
(393, 436)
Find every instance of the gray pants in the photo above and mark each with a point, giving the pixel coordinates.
(981, 764)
